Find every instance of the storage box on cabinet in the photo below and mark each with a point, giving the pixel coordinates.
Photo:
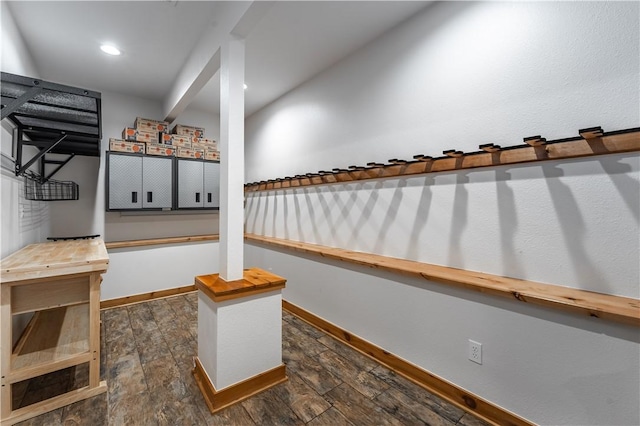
(198, 184)
(148, 125)
(137, 182)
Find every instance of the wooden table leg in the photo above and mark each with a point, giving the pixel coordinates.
(5, 351)
(94, 329)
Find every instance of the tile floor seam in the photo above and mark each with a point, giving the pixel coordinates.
(318, 415)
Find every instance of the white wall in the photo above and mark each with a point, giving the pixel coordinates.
(199, 118)
(23, 221)
(455, 76)
(458, 75)
(147, 269)
(15, 56)
(572, 223)
(550, 367)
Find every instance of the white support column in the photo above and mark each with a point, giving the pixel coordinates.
(232, 57)
(239, 312)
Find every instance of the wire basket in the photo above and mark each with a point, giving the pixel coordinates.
(51, 190)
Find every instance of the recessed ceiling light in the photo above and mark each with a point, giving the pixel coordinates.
(110, 50)
(245, 86)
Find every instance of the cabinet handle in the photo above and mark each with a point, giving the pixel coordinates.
(149, 197)
(208, 197)
(197, 197)
(134, 197)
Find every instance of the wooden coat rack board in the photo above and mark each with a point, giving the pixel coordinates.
(592, 141)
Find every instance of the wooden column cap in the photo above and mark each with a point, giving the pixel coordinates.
(254, 281)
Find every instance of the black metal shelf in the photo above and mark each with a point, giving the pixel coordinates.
(54, 118)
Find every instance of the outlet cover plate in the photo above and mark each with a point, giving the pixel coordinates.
(475, 351)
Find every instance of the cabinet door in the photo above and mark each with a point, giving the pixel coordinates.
(125, 182)
(190, 184)
(211, 185)
(157, 183)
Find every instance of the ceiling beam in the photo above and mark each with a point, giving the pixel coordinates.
(237, 18)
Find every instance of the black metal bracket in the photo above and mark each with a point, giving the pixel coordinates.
(60, 163)
(20, 169)
(51, 117)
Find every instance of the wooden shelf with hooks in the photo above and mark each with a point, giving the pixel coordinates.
(592, 141)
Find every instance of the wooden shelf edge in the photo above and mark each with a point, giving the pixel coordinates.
(592, 142)
(51, 404)
(38, 370)
(619, 309)
(28, 275)
(160, 241)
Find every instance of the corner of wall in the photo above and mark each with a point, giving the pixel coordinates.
(16, 57)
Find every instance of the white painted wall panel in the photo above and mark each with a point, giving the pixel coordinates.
(199, 118)
(146, 269)
(571, 223)
(241, 338)
(458, 75)
(249, 337)
(24, 222)
(15, 56)
(208, 336)
(455, 76)
(547, 366)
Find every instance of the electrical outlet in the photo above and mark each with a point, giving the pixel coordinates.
(475, 352)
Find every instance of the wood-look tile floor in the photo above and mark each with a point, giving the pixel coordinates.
(147, 352)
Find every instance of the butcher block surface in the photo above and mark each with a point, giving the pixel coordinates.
(55, 258)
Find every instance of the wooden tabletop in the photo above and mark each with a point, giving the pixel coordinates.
(56, 258)
(254, 281)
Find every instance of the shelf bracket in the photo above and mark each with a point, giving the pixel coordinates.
(20, 169)
(60, 163)
(19, 101)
